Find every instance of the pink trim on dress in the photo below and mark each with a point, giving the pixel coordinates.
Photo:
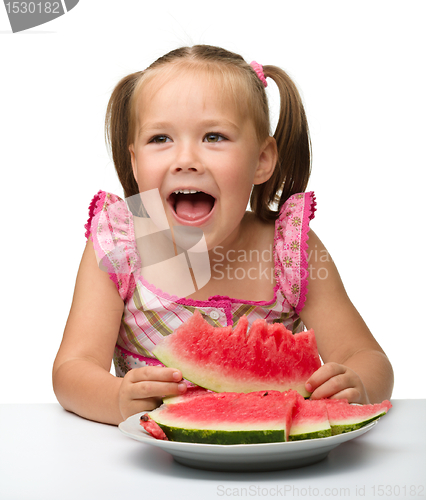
(214, 300)
(308, 215)
(224, 302)
(94, 208)
(291, 233)
(144, 359)
(110, 226)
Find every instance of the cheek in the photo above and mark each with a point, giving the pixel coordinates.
(148, 181)
(237, 195)
(147, 177)
(240, 174)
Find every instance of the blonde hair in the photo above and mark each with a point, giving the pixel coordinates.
(292, 171)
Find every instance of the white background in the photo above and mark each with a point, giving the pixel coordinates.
(359, 66)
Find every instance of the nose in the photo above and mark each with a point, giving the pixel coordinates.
(187, 159)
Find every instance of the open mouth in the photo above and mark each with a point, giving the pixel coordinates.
(191, 205)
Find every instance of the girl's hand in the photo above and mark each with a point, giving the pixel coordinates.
(336, 381)
(143, 388)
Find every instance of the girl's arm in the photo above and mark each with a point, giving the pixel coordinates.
(82, 380)
(355, 366)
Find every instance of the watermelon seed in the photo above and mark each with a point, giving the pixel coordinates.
(144, 418)
(265, 394)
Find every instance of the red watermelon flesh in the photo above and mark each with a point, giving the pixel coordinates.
(267, 357)
(346, 417)
(153, 428)
(309, 420)
(226, 418)
(191, 392)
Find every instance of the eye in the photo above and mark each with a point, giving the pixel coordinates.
(160, 139)
(214, 137)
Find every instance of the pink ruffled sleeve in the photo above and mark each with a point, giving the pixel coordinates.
(110, 227)
(291, 243)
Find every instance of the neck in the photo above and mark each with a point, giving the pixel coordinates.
(239, 240)
(242, 267)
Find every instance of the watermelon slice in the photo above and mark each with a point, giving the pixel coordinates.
(310, 420)
(225, 418)
(153, 428)
(268, 357)
(345, 417)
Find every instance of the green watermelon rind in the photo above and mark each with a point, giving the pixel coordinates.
(341, 429)
(221, 436)
(310, 435)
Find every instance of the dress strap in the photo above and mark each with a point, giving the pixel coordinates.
(110, 227)
(291, 244)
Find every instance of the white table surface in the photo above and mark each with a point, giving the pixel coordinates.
(48, 453)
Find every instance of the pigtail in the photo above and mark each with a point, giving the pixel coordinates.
(118, 131)
(293, 167)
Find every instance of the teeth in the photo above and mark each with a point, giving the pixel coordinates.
(186, 191)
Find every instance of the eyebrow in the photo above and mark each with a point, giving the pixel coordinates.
(152, 126)
(219, 123)
(206, 123)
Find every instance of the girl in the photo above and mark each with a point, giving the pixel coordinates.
(194, 130)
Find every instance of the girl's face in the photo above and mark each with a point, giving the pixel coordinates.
(202, 155)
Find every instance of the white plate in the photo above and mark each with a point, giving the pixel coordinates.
(243, 457)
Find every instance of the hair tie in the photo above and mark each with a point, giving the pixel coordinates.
(258, 68)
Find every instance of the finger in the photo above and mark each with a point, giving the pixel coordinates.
(331, 387)
(352, 394)
(158, 373)
(154, 389)
(324, 373)
(347, 381)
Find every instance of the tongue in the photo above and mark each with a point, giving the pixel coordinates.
(193, 206)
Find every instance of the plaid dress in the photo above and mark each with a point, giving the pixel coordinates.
(150, 314)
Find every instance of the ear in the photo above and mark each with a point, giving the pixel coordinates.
(133, 160)
(267, 161)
